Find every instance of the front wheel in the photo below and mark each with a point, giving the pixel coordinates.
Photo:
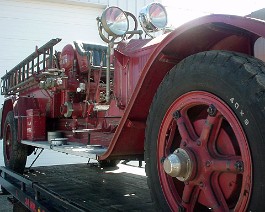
(15, 153)
(205, 135)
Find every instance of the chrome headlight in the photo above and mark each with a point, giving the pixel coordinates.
(115, 21)
(153, 17)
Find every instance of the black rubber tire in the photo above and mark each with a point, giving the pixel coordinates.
(16, 160)
(108, 163)
(226, 75)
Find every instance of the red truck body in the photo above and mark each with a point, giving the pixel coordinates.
(65, 94)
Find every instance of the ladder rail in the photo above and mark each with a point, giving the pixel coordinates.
(38, 61)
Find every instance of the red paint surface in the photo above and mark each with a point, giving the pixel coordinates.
(140, 66)
(215, 144)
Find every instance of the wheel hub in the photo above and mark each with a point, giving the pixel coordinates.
(179, 165)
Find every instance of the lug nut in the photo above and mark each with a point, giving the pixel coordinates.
(239, 165)
(162, 160)
(208, 163)
(212, 110)
(176, 115)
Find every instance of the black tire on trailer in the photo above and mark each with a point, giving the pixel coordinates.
(15, 153)
(205, 136)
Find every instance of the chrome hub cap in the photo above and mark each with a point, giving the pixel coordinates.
(179, 165)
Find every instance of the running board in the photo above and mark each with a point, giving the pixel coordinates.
(72, 148)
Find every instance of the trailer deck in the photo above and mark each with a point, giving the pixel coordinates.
(91, 188)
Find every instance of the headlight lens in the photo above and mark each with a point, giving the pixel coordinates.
(115, 21)
(153, 17)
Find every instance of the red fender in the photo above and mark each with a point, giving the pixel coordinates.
(19, 106)
(214, 32)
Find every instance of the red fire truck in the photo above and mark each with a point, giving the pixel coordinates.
(190, 102)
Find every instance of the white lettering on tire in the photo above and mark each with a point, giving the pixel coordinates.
(237, 106)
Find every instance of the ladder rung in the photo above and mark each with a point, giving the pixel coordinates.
(14, 80)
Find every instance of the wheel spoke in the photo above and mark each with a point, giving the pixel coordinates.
(171, 135)
(187, 193)
(211, 128)
(190, 197)
(7, 143)
(213, 203)
(184, 131)
(216, 190)
(232, 164)
(189, 125)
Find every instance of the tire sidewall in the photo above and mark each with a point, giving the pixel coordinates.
(9, 121)
(18, 154)
(241, 100)
(223, 82)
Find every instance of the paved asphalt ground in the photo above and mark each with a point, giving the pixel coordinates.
(5, 206)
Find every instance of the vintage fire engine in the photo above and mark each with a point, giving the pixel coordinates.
(190, 102)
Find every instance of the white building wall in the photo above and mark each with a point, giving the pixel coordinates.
(27, 23)
(259, 48)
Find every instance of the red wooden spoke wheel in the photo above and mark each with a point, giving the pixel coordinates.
(205, 156)
(15, 153)
(8, 143)
(205, 137)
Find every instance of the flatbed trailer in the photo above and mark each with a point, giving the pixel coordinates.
(59, 188)
(188, 101)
